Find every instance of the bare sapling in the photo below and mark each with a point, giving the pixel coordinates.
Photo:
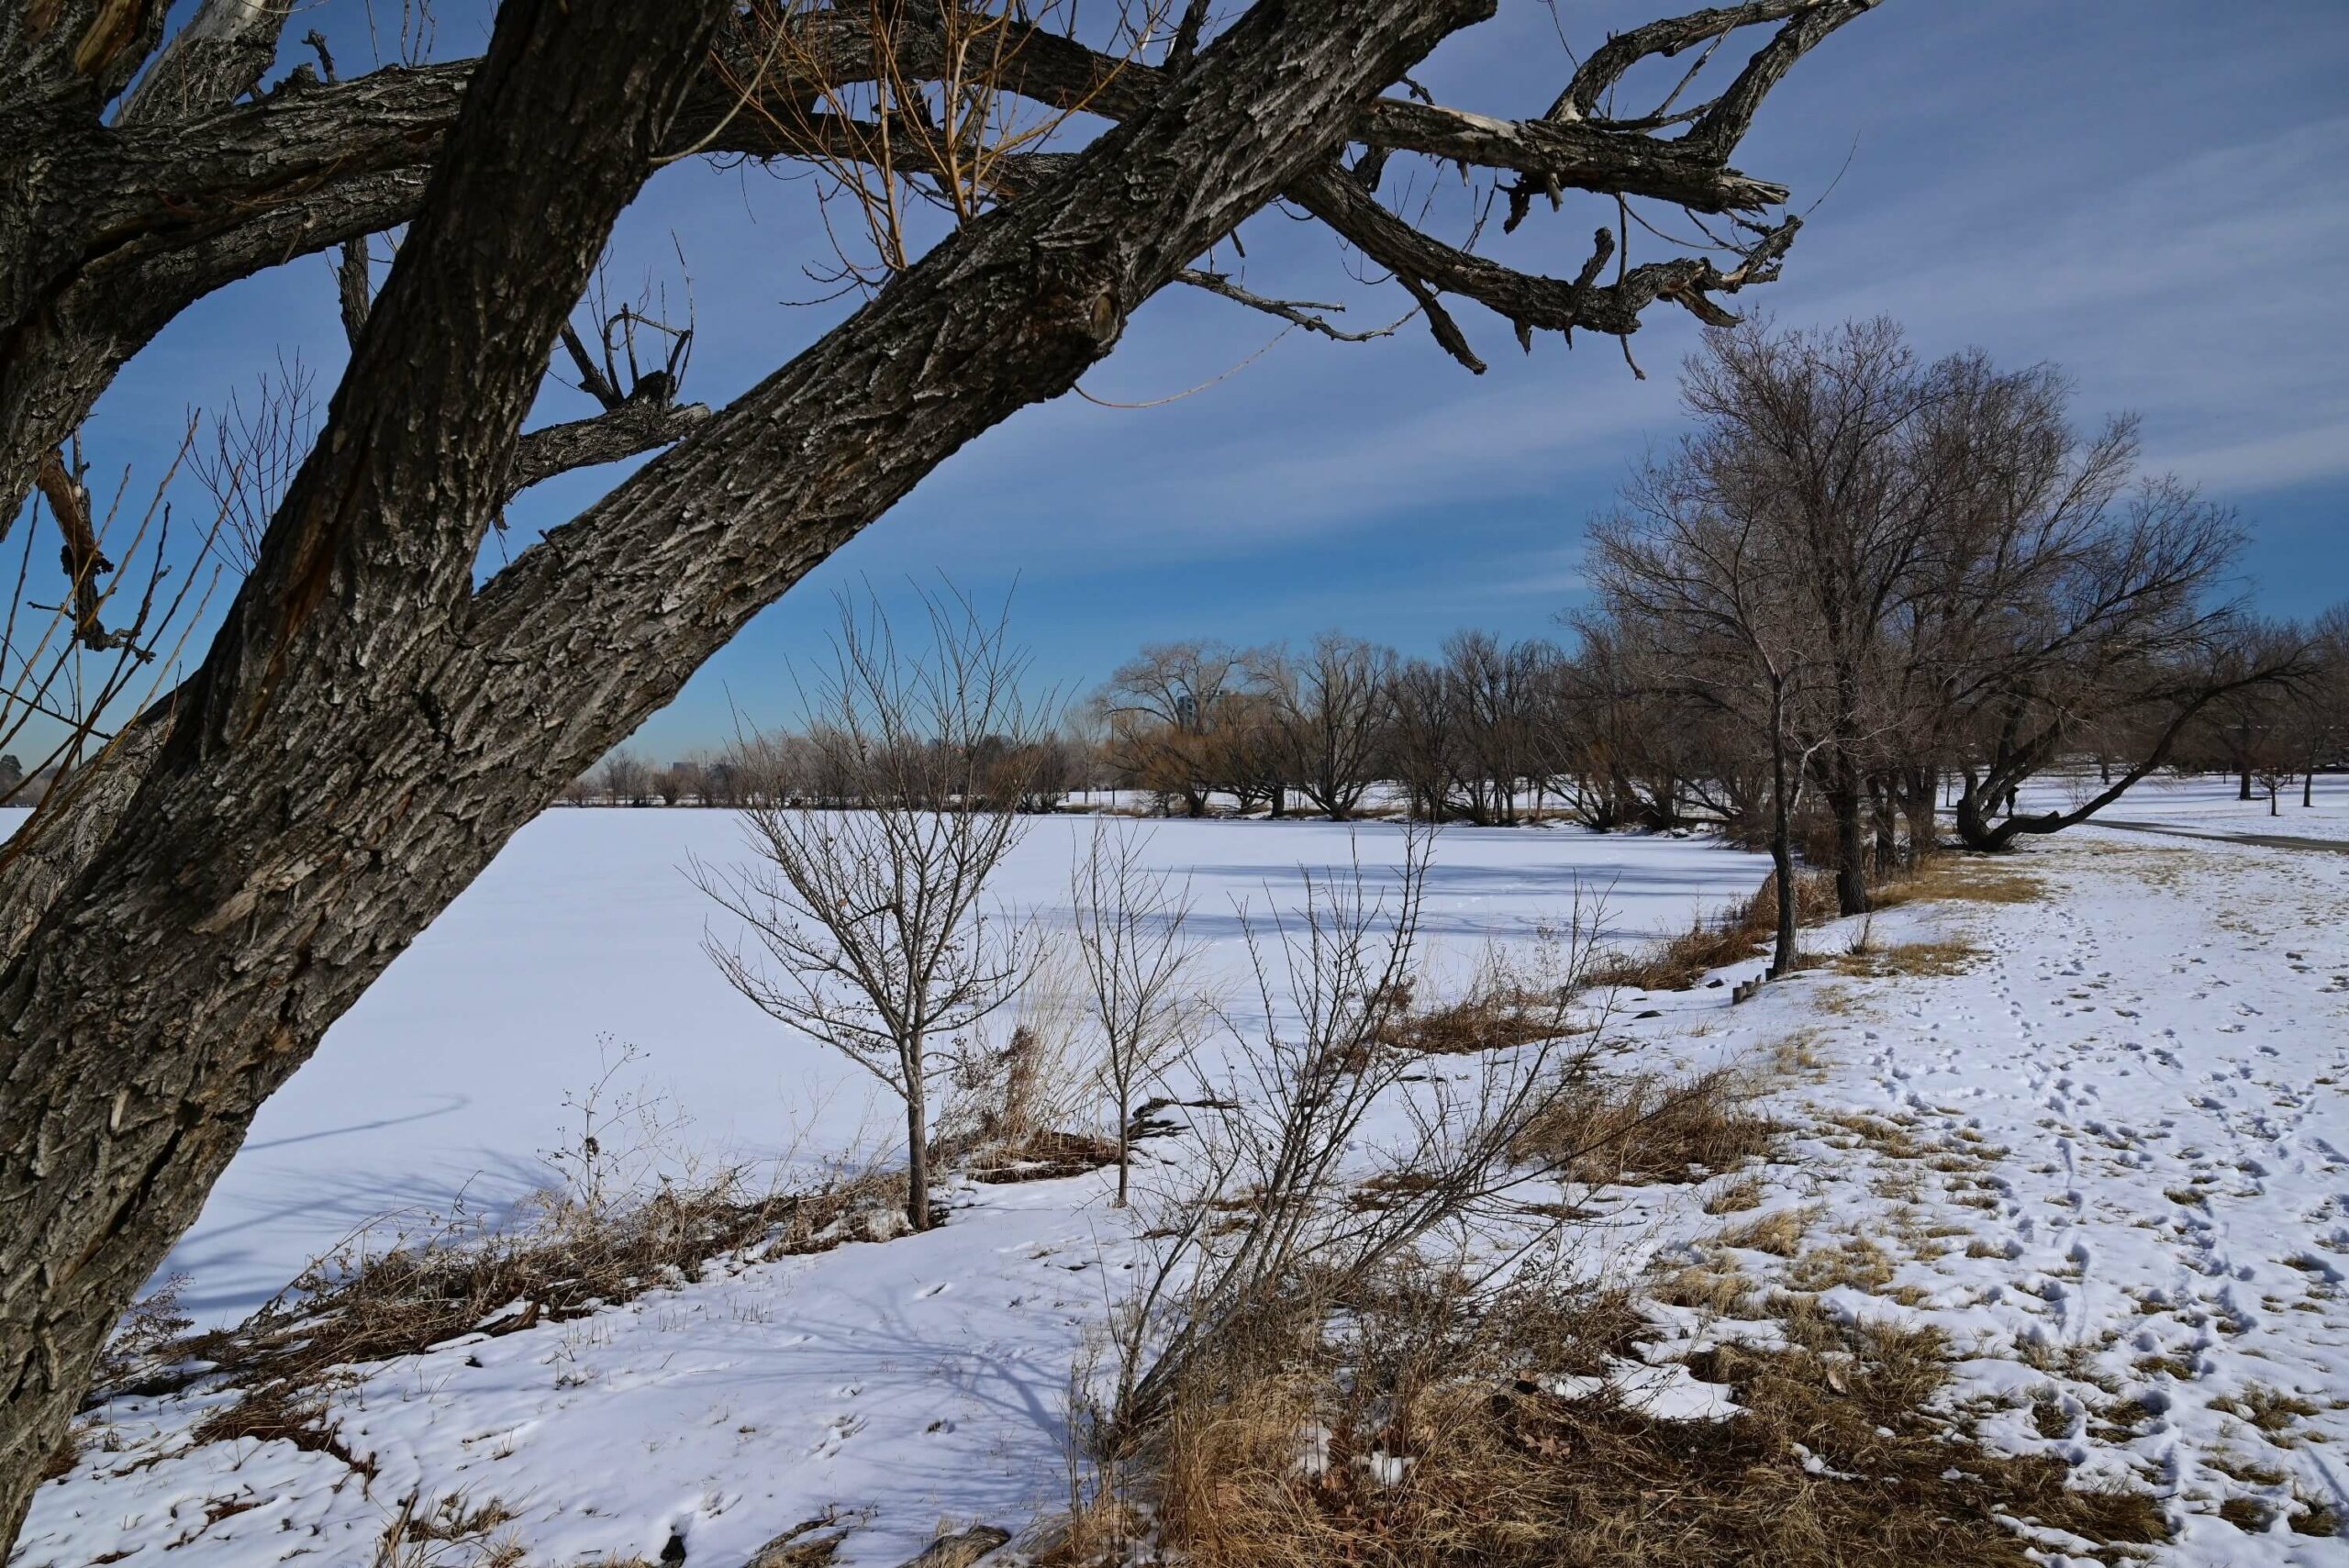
(1297, 1195)
(1138, 956)
(867, 927)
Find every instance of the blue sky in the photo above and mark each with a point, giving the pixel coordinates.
(2146, 192)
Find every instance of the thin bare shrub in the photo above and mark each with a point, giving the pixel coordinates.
(1137, 958)
(874, 934)
(1277, 1214)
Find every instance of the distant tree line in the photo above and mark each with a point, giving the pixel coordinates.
(1866, 588)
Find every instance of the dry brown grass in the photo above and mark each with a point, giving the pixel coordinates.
(1490, 1019)
(1856, 1262)
(2271, 1409)
(1714, 941)
(1721, 1288)
(1427, 1434)
(1735, 1197)
(1641, 1129)
(1040, 1157)
(284, 1410)
(566, 1260)
(1779, 1233)
(451, 1533)
(1933, 958)
(1961, 879)
(1744, 932)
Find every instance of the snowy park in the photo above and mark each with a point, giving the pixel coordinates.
(2105, 1154)
(1174, 783)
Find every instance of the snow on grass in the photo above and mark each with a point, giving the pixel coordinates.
(2111, 1157)
(2099, 1141)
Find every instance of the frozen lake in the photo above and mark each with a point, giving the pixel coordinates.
(451, 1075)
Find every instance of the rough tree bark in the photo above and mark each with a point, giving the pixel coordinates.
(235, 911)
(368, 728)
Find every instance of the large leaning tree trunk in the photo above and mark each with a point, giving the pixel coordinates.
(182, 921)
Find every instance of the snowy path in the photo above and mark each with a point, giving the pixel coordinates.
(2160, 1052)
(2108, 1155)
(2265, 841)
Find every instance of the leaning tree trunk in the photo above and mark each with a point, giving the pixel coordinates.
(369, 730)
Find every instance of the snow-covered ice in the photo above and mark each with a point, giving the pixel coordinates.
(449, 1076)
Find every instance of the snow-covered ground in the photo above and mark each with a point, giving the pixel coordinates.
(2209, 804)
(2156, 1057)
(2110, 1155)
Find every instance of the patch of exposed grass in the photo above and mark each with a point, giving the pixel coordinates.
(1721, 1289)
(1491, 1018)
(1735, 1197)
(1040, 1157)
(1779, 1233)
(1857, 1264)
(1962, 879)
(450, 1533)
(2271, 1409)
(2314, 1516)
(1891, 1136)
(1641, 1129)
(1909, 958)
(1444, 1439)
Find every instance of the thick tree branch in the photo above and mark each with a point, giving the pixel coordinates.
(556, 135)
(1532, 302)
(126, 228)
(634, 427)
(1573, 157)
(1009, 310)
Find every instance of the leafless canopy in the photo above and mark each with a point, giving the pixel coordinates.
(873, 933)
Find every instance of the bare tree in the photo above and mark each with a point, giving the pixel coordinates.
(373, 718)
(2323, 700)
(1138, 960)
(876, 938)
(1692, 561)
(625, 777)
(2120, 633)
(1328, 707)
(1169, 711)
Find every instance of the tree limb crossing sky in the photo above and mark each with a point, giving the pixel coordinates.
(2148, 193)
